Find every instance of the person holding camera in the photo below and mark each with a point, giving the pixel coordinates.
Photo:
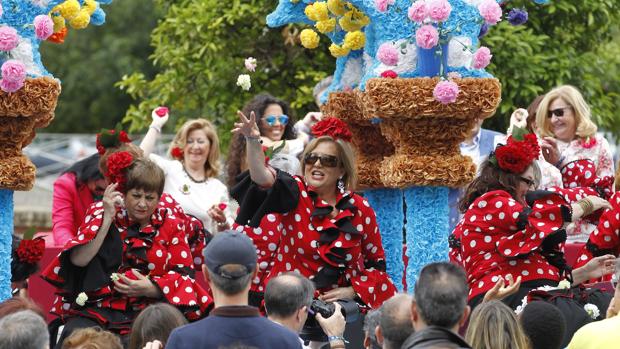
(329, 234)
(288, 299)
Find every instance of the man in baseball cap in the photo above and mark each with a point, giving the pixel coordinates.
(230, 266)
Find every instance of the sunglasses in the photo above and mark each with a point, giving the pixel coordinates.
(271, 119)
(559, 112)
(530, 183)
(326, 160)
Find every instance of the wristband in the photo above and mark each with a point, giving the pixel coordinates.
(557, 164)
(156, 128)
(254, 139)
(336, 338)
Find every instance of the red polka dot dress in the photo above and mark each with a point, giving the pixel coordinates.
(333, 246)
(498, 237)
(159, 250)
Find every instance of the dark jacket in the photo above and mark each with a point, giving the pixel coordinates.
(434, 337)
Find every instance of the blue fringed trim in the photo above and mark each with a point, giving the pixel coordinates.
(388, 206)
(427, 228)
(6, 231)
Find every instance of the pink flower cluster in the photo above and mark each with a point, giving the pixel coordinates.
(482, 58)
(387, 54)
(417, 11)
(8, 38)
(490, 11)
(427, 36)
(446, 92)
(382, 5)
(13, 75)
(436, 10)
(43, 26)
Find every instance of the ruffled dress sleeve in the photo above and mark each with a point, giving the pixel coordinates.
(255, 202)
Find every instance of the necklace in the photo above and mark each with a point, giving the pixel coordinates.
(192, 178)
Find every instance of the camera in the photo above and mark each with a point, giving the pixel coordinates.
(312, 331)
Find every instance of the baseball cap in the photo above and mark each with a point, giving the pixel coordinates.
(230, 247)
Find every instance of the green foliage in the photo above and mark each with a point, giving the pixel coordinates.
(200, 57)
(565, 42)
(92, 60)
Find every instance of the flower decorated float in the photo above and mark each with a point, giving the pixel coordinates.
(410, 82)
(28, 93)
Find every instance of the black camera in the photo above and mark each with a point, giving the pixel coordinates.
(312, 331)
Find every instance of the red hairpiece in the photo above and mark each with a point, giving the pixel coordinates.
(31, 251)
(177, 153)
(332, 127)
(117, 163)
(110, 139)
(517, 155)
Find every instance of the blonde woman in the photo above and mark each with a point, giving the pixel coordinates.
(570, 142)
(191, 174)
(494, 325)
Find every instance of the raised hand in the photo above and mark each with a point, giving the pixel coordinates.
(501, 291)
(247, 127)
(111, 199)
(160, 117)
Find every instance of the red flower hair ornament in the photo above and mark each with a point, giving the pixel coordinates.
(517, 155)
(30, 250)
(117, 164)
(110, 139)
(177, 153)
(332, 127)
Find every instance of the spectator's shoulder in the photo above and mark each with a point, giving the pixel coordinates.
(280, 331)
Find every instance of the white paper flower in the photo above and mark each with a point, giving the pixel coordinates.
(115, 277)
(81, 299)
(592, 310)
(520, 308)
(250, 64)
(244, 81)
(564, 284)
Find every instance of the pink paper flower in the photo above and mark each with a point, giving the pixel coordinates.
(427, 36)
(382, 5)
(13, 71)
(490, 11)
(1, 10)
(387, 54)
(439, 10)
(250, 64)
(446, 92)
(417, 11)
(8, 38)
(43, 26)
(10, 86)
(482, 58)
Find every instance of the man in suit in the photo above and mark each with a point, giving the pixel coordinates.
(230, 266)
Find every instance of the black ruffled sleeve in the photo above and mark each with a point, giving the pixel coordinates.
(255, 202)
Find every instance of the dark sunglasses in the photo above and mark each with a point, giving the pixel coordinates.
(559, 112)
(271, 119)
(326, 160)
(530, 183)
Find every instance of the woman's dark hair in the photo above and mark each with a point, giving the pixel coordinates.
(490, 178)
(146, 175)
(155, 322)
(20, 271)
(86, 169)
(236, 151)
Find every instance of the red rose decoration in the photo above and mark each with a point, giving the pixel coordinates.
(161, 111)
(117, 163)
(100, 148)
(332, 127)
(222, 206)
(31, 251)
(123, 137)
(390, 74)
(177, 153)
(512, 158)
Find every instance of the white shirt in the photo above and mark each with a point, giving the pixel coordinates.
(195, 198)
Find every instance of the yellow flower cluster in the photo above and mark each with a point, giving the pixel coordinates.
(317, 11)
(309, 38)
(338, 51)
(354, 40)
(353, 20)
(70, 10)
(326, 26)
(336, 7)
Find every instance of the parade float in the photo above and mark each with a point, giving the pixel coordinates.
(28, 93)
(410, 83)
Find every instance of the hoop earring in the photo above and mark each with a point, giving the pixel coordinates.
(341, 185)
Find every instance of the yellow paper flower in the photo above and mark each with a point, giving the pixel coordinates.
(59, 23)
(309, 38)
(353, 20)
(338, 51)
(336, 7)
(326, 26)
(81, 20)
(69, 8)
(320, 11)
(354, 40)
(90, 6)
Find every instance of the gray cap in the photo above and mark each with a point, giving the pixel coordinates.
(230, 247)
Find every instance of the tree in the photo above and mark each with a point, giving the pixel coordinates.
(201, 56)
(92, 60)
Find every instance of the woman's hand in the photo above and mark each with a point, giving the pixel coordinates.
(518, 119)
(218, 216)
(142, 287)
(312, 118)
(599, 266)
(338, 293)
(111, 199)
(501, 291)
(598, 203)
(247, 127)
(160, 117)
(153, 345)
(550, 150)
(611, 310)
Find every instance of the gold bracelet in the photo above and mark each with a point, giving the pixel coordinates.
(587, 206)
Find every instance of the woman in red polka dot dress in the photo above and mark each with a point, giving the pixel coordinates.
(329, 234)
(131, 250)
(509, 229)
